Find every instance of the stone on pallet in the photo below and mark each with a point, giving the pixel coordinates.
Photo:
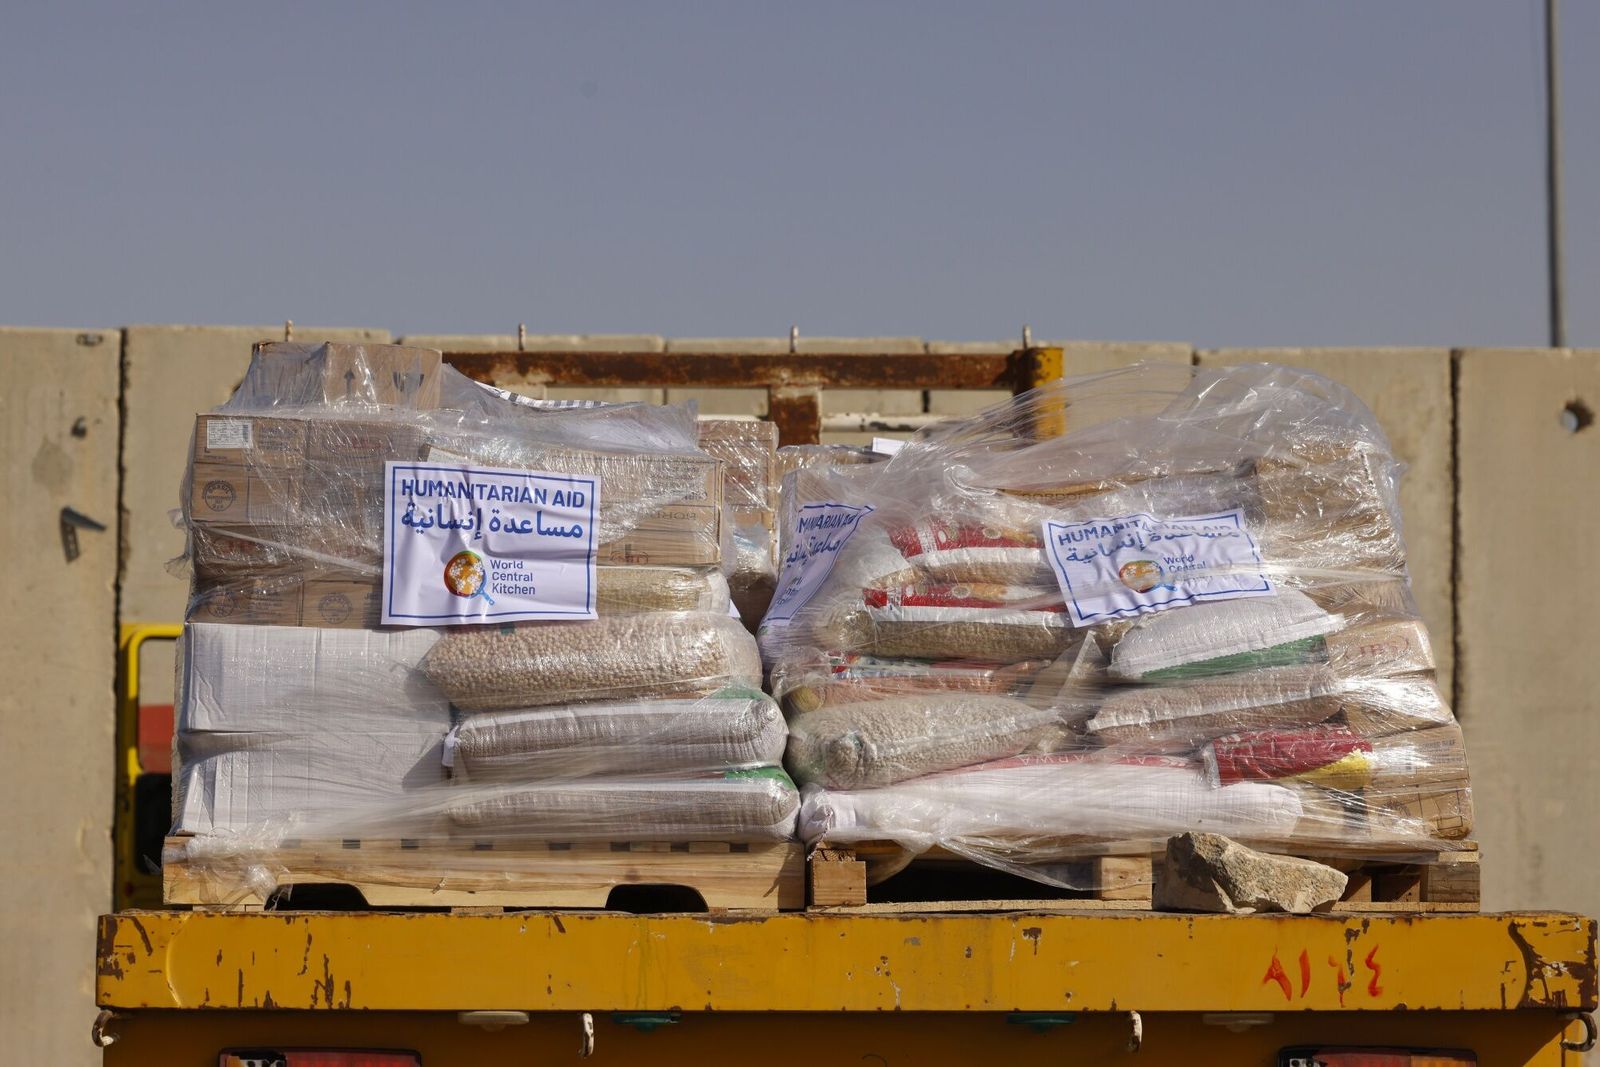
(1209, 872)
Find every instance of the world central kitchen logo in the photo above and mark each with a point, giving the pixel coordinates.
(1141, 575)
(465, 576)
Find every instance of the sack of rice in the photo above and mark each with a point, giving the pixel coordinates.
(661, 654)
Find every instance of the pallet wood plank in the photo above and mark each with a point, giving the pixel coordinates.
(836, 878)
(764, 878)
(1124, 877)
(1412, 882)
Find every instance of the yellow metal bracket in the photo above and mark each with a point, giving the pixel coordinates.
(132, 886)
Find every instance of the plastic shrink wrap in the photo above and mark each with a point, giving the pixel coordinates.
(301, 719)
(1115, 609)
(748, 450)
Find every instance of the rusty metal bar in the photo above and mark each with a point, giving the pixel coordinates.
(858, 370)
(792, 379)
(797, 411)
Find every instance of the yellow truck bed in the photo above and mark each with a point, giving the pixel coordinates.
(816, 989)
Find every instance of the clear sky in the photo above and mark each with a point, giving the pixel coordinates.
(1219, 172)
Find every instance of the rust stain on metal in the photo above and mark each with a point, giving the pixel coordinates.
(791, 379)
(855, 370)
(325, 985)
(108, 961)
(143, 935)
(1034, 934)
(797, 412)
(1541, 972)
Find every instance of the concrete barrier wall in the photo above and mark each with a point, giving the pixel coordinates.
(59, 423)
(1528, 680)
(1497, 509)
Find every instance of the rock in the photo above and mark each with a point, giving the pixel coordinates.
(1209, 872)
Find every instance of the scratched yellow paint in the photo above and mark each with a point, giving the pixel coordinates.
(569, 961)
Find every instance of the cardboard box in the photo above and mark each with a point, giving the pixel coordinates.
(342, 603)
(681, 536)
(240, 496)
(250, 440)
(1446, 812)
(366, 443)
(395, 375)
(748, 449)
(218, 552)
(274, 601)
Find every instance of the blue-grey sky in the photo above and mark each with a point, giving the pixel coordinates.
(1220, 173)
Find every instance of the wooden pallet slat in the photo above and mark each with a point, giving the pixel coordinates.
(406, 874)
(1447, 882)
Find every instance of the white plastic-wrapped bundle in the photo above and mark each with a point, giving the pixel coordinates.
(1112, 610)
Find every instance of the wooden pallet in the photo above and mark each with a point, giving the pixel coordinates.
(498, 874)
(837, 877)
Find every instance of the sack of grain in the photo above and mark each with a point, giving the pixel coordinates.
(633, 657)
(738, 806)
(885, 741)
(731, 728)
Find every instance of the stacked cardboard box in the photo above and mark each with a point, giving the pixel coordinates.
(286, 513)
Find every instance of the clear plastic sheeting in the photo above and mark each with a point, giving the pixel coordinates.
(1115, 609)
(301, 723)
(748, 450)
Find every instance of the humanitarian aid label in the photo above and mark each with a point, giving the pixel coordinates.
(821, 529)
(1121, 567)
(229, 434)
(466, 544)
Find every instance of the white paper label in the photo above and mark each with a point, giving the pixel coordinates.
(821, 530)
(887, 446)
(465, 544)
(229, 433)
(1126, 566)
